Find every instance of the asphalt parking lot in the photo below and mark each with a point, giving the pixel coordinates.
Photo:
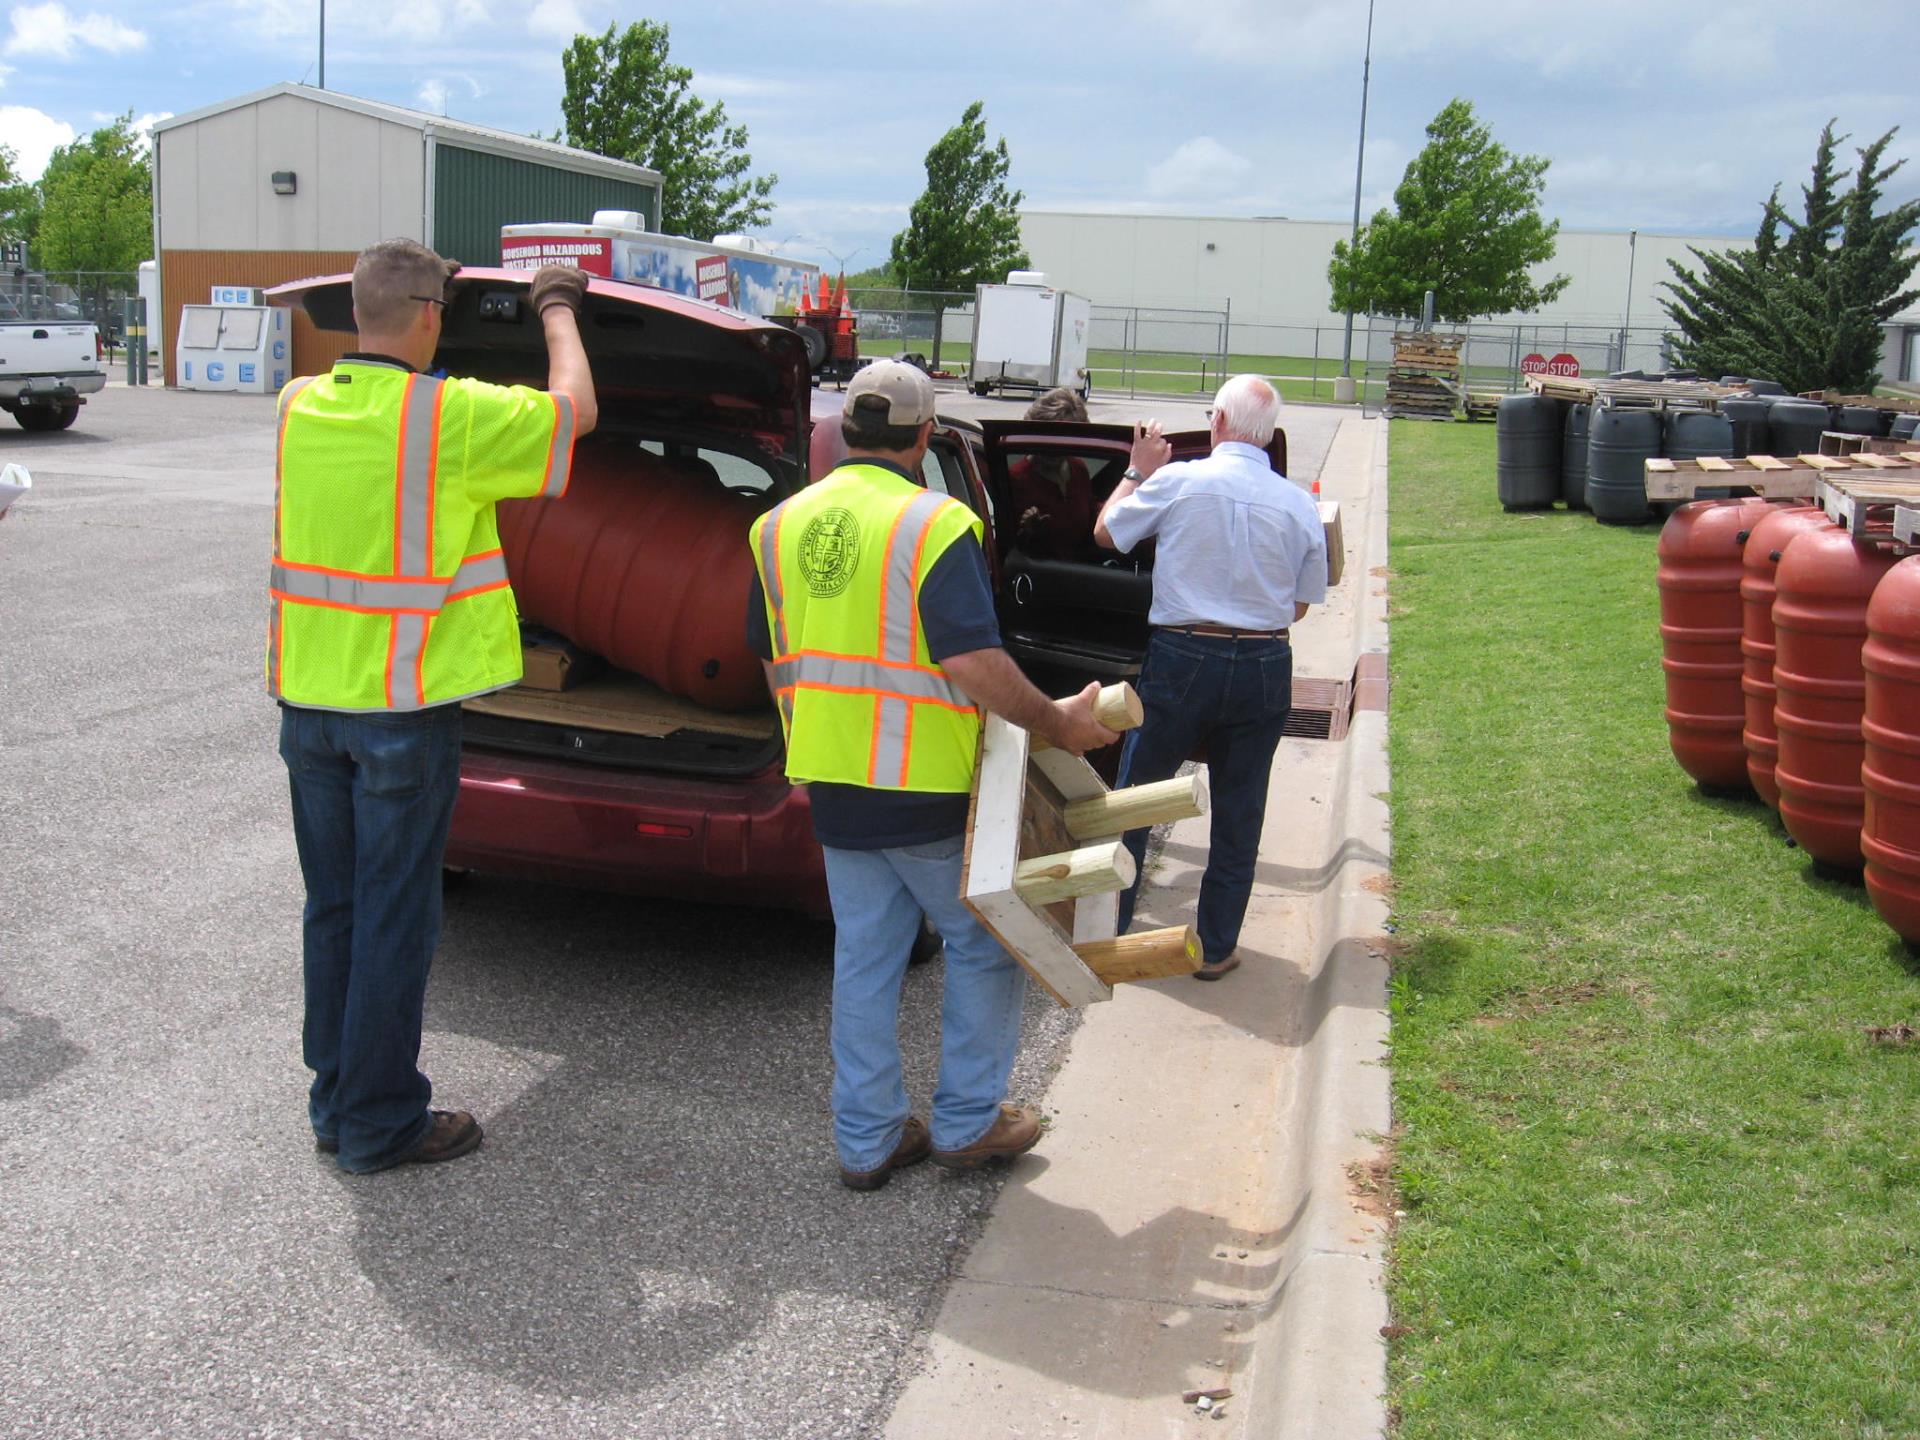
(651, 1242)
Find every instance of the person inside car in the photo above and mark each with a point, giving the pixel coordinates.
(1052, 495)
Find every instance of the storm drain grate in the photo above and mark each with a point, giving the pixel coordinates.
(1323, 709)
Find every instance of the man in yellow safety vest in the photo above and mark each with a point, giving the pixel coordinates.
(389, 605)
(872, 606)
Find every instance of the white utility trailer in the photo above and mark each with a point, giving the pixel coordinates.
(1029, 336)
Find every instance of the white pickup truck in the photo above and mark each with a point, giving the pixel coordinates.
(47, 368)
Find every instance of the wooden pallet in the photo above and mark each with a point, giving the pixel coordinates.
(1482, 404)
(1845, 442)
(1772, 476)
(1865, 503)
(1632, 394)
(1869, 402)
(1906, 524)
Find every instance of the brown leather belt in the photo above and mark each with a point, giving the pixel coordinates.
(1228, 632)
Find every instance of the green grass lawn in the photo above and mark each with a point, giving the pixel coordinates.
(1657, 1180)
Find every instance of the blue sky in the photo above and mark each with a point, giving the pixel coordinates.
(1658, 116)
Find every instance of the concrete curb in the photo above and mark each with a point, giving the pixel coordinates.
(1190, 1223)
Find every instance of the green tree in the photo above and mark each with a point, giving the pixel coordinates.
(19, 200)
(626, 99)
(964, 230)
(96, 221)
(1466, 225)
(1808, 309)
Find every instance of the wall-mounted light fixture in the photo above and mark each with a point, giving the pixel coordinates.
(284, 182)
(1210, 244)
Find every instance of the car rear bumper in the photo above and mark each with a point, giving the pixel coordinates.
(747, 841)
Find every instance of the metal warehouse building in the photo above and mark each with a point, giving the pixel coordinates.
(291, 181)
(1271, 272)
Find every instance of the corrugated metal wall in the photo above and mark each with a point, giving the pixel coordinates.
(187, 277)
(475, 193)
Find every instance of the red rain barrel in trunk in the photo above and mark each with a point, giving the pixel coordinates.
(1891, 728)
(1759, 559)
(644, 561)
(1700, 627)
(1825, 579)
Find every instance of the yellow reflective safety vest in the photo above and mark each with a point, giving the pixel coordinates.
(842, 564)
(389, 590)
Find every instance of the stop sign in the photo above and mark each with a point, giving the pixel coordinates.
(1562, 364)
(1536, 364)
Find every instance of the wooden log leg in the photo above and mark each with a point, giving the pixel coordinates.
(1150, 955)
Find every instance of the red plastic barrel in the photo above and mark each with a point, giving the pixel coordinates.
(644, 561)
(1825, 580)
(1700, 620)
(1890, 839)
(1759, 559)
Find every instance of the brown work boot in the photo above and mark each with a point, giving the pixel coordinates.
(453, 1133)
(1016, 1131)
(913, 1147)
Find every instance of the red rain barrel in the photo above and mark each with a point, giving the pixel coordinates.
(1825, 579)
(644, 561)
(1759, 559)
(1891, 729)
(1699, 576)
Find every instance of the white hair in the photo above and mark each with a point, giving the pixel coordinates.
(1248, 407)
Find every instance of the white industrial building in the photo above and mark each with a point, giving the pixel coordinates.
(1270, 275)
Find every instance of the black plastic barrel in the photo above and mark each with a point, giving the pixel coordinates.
(1858, 419)
(1903, 426)
(1619, 444)
(1627, 375)
(1749, 421)
(1733, 379)
(1527, 451)
(1766, 387)
(1794, 426)
(1573, 458)
(1689, 434)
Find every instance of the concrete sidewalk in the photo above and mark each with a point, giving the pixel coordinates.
(1190, 1222)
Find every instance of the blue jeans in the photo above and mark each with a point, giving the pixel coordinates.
(1233, 696)
(878, 898)
(373, 800)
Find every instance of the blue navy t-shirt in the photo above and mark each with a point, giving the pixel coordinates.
(956, 616)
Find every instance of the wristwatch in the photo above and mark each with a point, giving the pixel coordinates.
(1130, 473)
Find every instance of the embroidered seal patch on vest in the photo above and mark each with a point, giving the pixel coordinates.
(829, 551)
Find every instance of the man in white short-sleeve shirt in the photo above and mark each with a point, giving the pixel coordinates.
(1240, 554)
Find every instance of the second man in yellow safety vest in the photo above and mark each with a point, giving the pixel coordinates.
(873, 608)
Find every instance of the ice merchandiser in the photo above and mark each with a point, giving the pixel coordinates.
(241, 348)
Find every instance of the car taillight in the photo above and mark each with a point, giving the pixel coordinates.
(672, 832)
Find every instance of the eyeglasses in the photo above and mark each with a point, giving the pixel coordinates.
(429, 300)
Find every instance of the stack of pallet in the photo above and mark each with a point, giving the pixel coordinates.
(1424, 382)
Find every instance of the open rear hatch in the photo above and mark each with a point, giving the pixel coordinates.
(688, 383)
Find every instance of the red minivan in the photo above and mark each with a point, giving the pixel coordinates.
(699, 808)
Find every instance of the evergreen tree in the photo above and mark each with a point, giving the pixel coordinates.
(1806, 310)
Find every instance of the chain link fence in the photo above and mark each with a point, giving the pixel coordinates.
(98, 297)
(1146, 350)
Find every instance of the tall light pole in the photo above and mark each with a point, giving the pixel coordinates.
(323, 44)
(1626, 320)
(1343, 387)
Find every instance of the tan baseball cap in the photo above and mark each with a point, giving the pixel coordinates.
(905, 388)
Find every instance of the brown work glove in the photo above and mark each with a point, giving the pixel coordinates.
(558, 285)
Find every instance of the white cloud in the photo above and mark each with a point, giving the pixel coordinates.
(556, 20)
(432, 96)
(33, 135)
(1201, 169)
(52, 30)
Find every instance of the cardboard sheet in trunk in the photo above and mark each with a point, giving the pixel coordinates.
(621, 701)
